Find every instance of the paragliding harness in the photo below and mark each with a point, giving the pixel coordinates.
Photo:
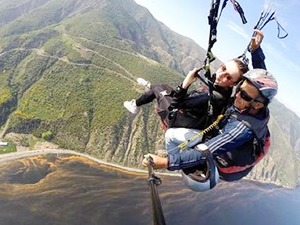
(267, 15)
(258, 147)
(238, 164)
(153, 180)
(213, 20)
(202, 177)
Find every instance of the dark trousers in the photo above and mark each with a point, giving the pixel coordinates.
(175, 118)
(160, 92)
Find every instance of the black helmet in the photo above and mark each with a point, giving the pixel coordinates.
(201, 177)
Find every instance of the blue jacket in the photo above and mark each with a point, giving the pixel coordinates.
(243, 141)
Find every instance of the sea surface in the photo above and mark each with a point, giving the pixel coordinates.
(73, 190)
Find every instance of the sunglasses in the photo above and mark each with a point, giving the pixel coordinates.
(244, 94)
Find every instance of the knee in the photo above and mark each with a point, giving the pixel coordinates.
(169, 135)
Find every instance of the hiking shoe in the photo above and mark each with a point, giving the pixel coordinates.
(144, 83)
(131, 106)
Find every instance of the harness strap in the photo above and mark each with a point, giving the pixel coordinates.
(258, 144)
(267, 15)
(213, 20)
(237, 8)
(201, 133)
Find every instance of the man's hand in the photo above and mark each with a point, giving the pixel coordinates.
(256, 40)
(158, 162)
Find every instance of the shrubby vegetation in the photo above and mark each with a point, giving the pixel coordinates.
(7, 149)
(48, 135)
(65, 70)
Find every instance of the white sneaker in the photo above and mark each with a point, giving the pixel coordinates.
(131, 106)
(144, 83)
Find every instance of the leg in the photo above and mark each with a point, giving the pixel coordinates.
(154, 92)
(176, 136)
(144, 83)
(159, 92)
(146, 98)
(163, 96)
(185, 159)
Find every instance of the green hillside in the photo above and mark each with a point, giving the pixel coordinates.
(66, 67)
(69, 79)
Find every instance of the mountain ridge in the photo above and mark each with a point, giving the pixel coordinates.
(69, 70)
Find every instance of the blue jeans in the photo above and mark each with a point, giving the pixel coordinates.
(187, 157)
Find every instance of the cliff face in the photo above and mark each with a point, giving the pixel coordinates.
(281, 165)
(66, 67)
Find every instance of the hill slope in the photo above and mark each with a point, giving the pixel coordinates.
(67, 66)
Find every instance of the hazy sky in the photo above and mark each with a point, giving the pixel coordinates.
(189, 18)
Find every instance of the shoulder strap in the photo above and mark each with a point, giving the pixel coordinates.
(258, 127)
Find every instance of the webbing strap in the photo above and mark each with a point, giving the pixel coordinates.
(213, 22)
(266, 15)
(201, 133)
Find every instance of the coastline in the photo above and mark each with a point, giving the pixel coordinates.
(26, 154)
(105, 165)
